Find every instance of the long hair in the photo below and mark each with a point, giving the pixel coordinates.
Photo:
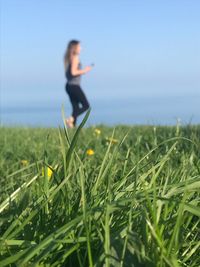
(69, 49)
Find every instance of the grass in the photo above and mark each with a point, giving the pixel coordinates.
(133, 201)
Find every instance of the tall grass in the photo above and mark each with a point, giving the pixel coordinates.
(135, 202)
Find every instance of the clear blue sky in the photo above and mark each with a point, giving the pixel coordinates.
(140, 48)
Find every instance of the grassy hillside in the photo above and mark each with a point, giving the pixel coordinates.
(127, 196)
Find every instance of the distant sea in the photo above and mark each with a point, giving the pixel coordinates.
(140, 110)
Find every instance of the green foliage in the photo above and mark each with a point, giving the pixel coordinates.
(134, 202)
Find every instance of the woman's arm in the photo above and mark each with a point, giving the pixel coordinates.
(74, 67)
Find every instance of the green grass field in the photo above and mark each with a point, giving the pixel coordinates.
(127, 196)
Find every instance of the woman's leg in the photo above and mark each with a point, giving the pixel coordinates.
(75, 108)
(81, 98)
(77, 97)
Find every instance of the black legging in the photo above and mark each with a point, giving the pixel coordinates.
(77, 97)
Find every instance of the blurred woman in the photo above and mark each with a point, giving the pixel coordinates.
(73, 71)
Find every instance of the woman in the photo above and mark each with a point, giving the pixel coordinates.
(73, 72)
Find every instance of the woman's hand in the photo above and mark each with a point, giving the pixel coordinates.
(87, 69)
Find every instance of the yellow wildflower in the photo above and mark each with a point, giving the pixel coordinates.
(49, 172)
(112, 140)
(97, 131)
(90, 152)
(24, 162)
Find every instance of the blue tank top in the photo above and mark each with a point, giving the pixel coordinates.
(73, 79)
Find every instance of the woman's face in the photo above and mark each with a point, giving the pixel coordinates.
(76, 49)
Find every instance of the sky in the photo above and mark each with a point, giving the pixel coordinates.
(140, 48)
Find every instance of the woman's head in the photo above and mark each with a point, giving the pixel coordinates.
(73, 48)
